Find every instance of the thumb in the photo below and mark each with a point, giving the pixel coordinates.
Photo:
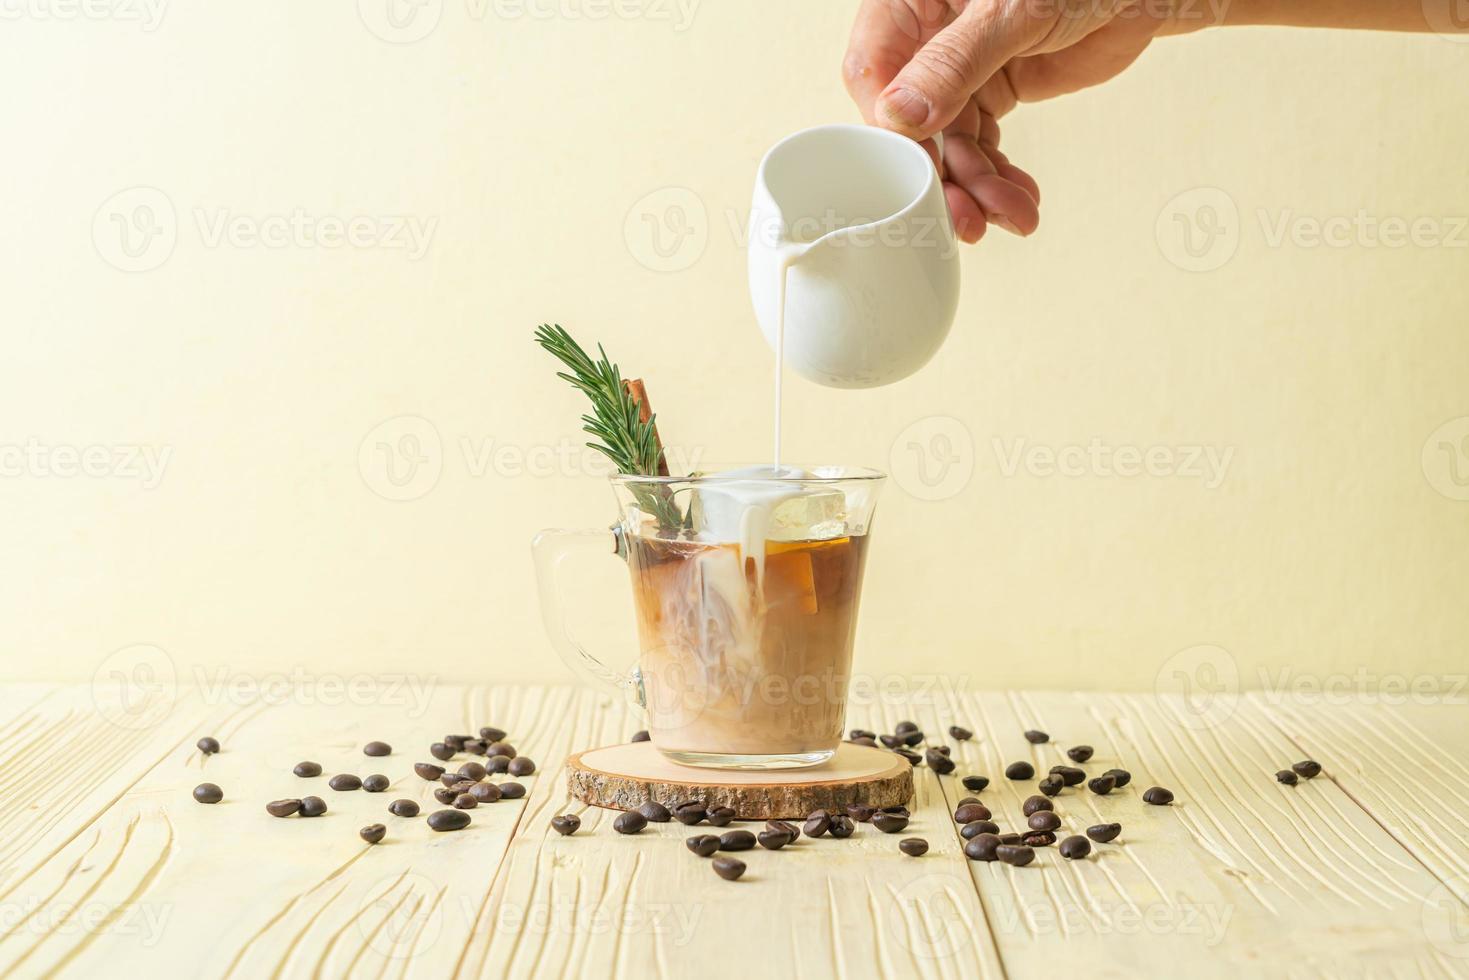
(934, 86)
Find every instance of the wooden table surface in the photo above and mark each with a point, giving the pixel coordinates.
(108, 867)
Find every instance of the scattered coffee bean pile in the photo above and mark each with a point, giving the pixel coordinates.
(1306, 769)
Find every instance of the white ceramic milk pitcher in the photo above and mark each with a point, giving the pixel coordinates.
(858, 215)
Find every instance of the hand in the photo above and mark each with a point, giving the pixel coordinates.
(920, 67)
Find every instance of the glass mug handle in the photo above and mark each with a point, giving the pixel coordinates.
(550, 548)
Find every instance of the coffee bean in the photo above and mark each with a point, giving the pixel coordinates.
(630, 822)
(1286, 776)
(403, 808)
(1043, 820)
(1009, 838)
(736, 840)
(911, 739)
(1158, 796)
(870, 743)
(1120, 776)
(566, 824)
(1102, 785)
(966, 799)
(373, 833)
(654, 812)
(1038, 838)
(312, 806)
(208, 793)
(473, 771)
(969, 812)
(913, 757)
(511, 791)
(1079, 753)
(842, 827)
(1307, 769)
(1034, 803)
(1019, 856)
(1075, 847)
(1070, 775)
(441, 751)
(859, 812)
(720, 816)
(444, 820)
(207, 745)
(891, 741)
(485, 792)
(489, 734)
(728, 868)
(475, 746)
(976, 827)
(375, 783)
(465, 802)
(689, 812)
(456, 742)
(943, 749)
(982, 847)
(960, 734)
(818, 823)
(899, 809)
(1051, 785)
(498, 763)
(857, 733)
(890, 823)
(501, 748)
(427, 770)
(457, 782)
(784, 827)
(1036, 737)
(702, 844)
(445, 795)
(975, 784)
(774, 840)
(307, 769)
(521, 766)
(282, 808)
(939, 762)
(344, 782)
(1019, 770)
(913, 846)
(376, 749)
(904, 727)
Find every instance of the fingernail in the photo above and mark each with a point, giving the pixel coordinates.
(1006, 223)
(906, 106)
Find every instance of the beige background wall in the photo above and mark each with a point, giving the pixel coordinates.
(532, 156)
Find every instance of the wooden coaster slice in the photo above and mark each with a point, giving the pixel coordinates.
(622, 776)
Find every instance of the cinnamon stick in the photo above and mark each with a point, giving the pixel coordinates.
(639, 393)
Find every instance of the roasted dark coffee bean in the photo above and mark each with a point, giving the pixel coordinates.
(521, 766)
(566, 824)
(1043, 820)
(736, 840)
(403, 808)
(1070, 775)
(457, 782)
(1035, 737)
(373, 833)
(899, 809)
(307, 769)
(456, 742)
(817, 824)
(1307, 769)
(473, 771)
(641, 737)
(207, 745)
(441, 751)
(376, 783)
(774, 840)
(511, 791)
(976, 827)
(904, 727)
(966, 799)
(654, 812)
(475, 747)
(975, 784)
(377, 749)
(842, 827)
(1075, 847)
(943, 749)
(1051, 785)
(982, 847)
(891, 741)
(969, 812)
(1038, 838)
(282, 808)
(913, 846)
(911, 739)
(702, 844)
(501, 748)
(784, 827)
(939, 762)
(1286, 776)
(890, 823)
(445, 795)
(630, 822)
(728, 868)
(870, 743)
(485, 792)
(859, 812)
(312, 806)
(488, 734)
(1079, 753)
(208, 793)
(1009, 838)
(913, 757)
(1019, 770)
(1102, 785)
(1158, 796)
(689, 813)
(465, 802)
(720, 816)
(498, 763)
(959, 734)
(857, 733)
(1017, 855)
(1034, 803)
(425, 770)
(444, 820)
(1121, 777)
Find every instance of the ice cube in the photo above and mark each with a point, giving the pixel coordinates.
(741, 506)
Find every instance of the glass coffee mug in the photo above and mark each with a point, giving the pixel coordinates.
(745, 587)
